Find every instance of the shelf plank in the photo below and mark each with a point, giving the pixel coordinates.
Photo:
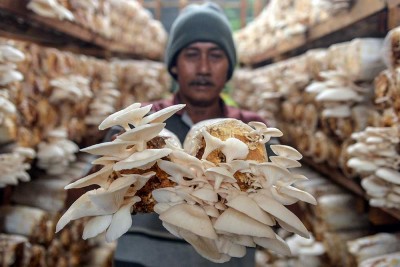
(360, 10)
(68, 28)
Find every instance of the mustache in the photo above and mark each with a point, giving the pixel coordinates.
(201, 82)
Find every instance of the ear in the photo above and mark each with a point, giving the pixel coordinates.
(174, 70)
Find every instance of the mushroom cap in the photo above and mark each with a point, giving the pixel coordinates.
(338, 94)
(236, 222)
(249, 207)
(142, 133)
(389, 175)
(285, 162)
(142, 158)
(191, 218)
(100, 178)
(204, 246)
(115, 148)
(276, 244)
(361, 165)
(206, 193)
(284, 216)
(340, 111)
(111, 119)
(163, 114)
(286, 151)
(11, 54)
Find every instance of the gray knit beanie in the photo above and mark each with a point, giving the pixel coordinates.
(200, 23)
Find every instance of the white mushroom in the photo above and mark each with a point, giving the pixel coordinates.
(133, 117)
(206, 193)
(281, 213)
(190, 217)
(177, 172)
(204, 246)
(233, 148)
(110, 120)
(286, 151)
(247, 206)
(390, 175)
(236, 222)
(100, 178)
(11, 54)
(117, 149)
(285, 162)
(276, 244)
(162, 115)
(121, 221)
(298, 194)
(219, 175)
(142, 159)
(142, 133)
(96, 226)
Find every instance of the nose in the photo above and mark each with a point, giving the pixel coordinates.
(204, 65)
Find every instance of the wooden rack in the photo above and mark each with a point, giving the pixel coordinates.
(381, 13)
(57, 33)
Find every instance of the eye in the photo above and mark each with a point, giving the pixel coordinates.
(217, 55)
(191, 54)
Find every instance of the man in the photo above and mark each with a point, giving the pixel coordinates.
(201, 57)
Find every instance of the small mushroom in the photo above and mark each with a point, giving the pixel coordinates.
(121, 221)
(281, 213)
(190, 217)
(219, 175)
(206, 193)
(11, 54)
(133, 117)
(110, 120)
(177, 172)
(116, 148)
(276, 244)
(228, 222)
(233, 148)
(142, 133)
(298, 194)
(96, 226)
(285, 162)
(100, 178)
(286, 151)
(142, 159)
(360, 165)
(390, 175)
(204, 246)
(162, 115)
(247, 206)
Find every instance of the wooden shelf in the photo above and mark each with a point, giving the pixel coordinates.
(336, 176)
(360, 10)
(49, 30)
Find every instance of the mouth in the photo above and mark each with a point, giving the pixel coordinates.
(202, 83)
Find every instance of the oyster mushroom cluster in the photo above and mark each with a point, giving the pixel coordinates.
(220, 192)
(50, 9)
(9, 56)
(14, 165)
(376, 159)
(56, 152)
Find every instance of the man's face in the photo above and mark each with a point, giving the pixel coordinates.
(201, 70)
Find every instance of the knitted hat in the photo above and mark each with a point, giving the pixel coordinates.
(200, 23)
